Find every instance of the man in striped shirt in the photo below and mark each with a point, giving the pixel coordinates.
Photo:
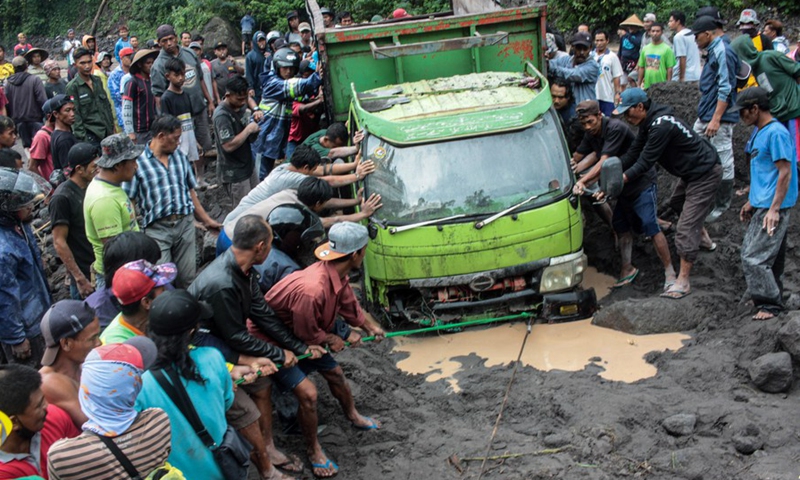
(164, 187)
(111, 380)
(138, 102)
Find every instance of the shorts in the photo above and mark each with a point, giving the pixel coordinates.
(243, 411)
(638, 215)
(290, 378)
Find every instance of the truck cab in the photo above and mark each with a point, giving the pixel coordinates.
(478, 214)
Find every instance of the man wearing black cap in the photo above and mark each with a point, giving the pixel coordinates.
(62, 139)
(194, 87)
(224, 67)
(715, 117)
(667, 140)
(71, 330)
(773, 192)
(68, 223)
(41, 161)
(580, 70)
(293, 21)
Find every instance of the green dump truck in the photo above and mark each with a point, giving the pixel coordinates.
(472, 164)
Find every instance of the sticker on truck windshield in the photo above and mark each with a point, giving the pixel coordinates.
(379, 153)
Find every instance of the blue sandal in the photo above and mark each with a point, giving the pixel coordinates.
(328, 464)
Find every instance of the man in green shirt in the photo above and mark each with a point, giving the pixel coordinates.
(332, 142)
(135, 286)
(656, 59)
(107, 209)
(93, 118)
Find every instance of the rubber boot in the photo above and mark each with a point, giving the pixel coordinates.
(723, 200)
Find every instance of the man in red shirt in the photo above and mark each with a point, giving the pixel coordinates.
(36, 425)
(309, 302)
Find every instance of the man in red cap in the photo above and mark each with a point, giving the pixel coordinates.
(71, 330)
(115, 86)
(400, 13)
(135, 286)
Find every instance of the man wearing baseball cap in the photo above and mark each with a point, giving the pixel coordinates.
(135, 286)
(579, 70)
(68, 222)
(115, 86)
(667, 140)
(649, 20)
(41, 155)
(224, 67)
(62, 139)
(309, 302)
(107, 209)
(71, 330)
(715, 119)
(773, 192)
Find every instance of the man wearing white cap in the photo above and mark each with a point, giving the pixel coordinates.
(649, 20)
(309, 302)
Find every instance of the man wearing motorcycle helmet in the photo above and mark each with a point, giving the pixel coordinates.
(24, 292)
(280, 88)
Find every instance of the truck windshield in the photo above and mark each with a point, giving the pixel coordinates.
(473, 176)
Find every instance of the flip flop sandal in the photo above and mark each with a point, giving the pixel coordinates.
(675, 294)
(668, 284)
(624, 281)
(373, 425)
(293, 465)
(764, 319)
(328, 464)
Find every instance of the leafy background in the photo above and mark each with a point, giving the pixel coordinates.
(48, 18)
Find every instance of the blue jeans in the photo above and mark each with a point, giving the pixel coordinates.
(638, 215)
(74, 293)
(290, 147)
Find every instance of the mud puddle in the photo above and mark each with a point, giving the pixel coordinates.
(568, 346)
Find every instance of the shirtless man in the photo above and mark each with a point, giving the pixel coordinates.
(71, 330)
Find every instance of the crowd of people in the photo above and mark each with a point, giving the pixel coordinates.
(753, 79)
(150, 368)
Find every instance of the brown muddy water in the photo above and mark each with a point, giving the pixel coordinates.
(567, 346)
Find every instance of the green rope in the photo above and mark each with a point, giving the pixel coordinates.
(447, 326)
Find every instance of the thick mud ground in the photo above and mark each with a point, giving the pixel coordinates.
(578, 425)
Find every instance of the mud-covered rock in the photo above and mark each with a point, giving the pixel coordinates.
(789, 335)
(772, 372)
(747, 439)
(648, 316)
(680, 425)
(220, 30)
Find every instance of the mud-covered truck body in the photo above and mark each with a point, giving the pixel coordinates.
(478, 215)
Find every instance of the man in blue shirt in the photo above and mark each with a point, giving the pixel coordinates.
(280, 88)
(580, 70)
(773, 191)
(124, 41)
(24, 292)
(715, 115)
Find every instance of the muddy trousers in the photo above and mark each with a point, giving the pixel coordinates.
(693, 200)
(763, 259)
(723, 144)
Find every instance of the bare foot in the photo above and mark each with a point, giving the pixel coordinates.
(276, 474)
(764, 315)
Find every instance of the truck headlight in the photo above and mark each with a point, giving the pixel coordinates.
(563, 273)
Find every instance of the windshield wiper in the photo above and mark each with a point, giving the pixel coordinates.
(510, 209)
(412, 226)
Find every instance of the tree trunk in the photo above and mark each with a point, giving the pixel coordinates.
(97, 17)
